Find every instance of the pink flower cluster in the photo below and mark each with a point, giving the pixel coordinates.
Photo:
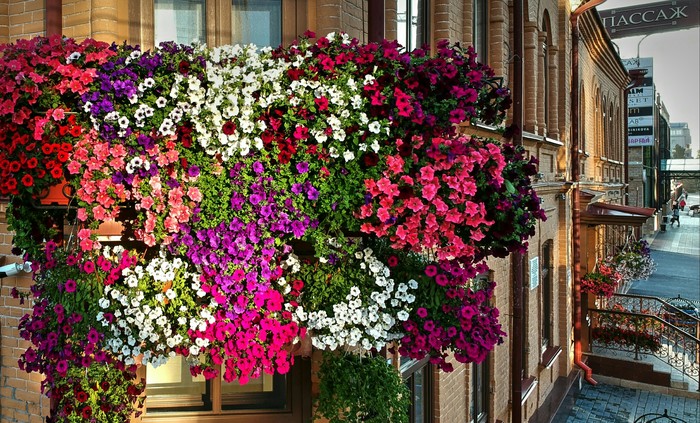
(602, 281)
(425, 198)
(154, 181)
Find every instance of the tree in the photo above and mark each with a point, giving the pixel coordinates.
(678, 152)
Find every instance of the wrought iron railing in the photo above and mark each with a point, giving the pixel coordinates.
(655, 306)
(640, 334)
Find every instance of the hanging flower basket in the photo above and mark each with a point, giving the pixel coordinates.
(314, 193)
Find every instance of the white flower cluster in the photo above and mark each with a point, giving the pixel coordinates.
(366, 319)
(153, 307)
(243, 83)
(146, 101)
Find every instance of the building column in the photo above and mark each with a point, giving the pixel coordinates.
(530, 59)
(553, 124)
(105, 20)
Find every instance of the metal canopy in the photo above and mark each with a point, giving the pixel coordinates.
(680, 168)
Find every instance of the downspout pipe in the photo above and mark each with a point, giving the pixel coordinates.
(54, 15)
(375, 21)
(576, 178)
(517, 259)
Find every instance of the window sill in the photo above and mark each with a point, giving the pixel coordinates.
(549, 356)
(528, 387)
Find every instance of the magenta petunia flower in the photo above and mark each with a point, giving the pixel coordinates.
(70, 285)
(431, 270)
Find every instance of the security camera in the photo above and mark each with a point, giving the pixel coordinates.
(14, 268)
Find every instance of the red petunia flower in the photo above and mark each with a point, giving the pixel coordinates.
(27, 180)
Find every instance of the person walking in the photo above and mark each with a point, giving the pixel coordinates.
(675, 214)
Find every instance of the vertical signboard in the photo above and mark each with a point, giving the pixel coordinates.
(640, 104)
(534, 272)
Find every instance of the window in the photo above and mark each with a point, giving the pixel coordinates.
(480, 29)
(546, 292)
(479, 399)
(181, 21)
(172, 391)
(257, 21)
(412, 23)
(418, 376)
(216, 22)
(546, 38)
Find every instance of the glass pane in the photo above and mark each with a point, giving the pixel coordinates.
(257, 22)
(182, 21)
(172, 386)
(264, 392)
(411, 23)
(479, 28)
(419, 394)
(261, 384)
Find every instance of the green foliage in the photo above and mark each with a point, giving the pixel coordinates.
(349, 391)
(31, 227)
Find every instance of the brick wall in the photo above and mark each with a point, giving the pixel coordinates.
(76, 19)
(454, 395)
(20, 394)
(21, 19)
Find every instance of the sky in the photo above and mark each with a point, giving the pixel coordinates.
(676, 68)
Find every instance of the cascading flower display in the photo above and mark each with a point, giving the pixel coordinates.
(266, 195)
(40, 80)
(603, 281)
(352, 301)
(634, 261)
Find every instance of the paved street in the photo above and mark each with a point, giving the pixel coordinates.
(677, 254)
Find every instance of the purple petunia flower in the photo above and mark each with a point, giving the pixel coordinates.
(302, 167)
(312, 193)
(258, 168)
(193, 171)
(255, 199)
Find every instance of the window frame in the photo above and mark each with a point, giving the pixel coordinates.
(408, 372)
(218, 15)
(424, 12)
(297, 407)
(479, 392)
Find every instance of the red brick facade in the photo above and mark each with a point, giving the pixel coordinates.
(547, 126)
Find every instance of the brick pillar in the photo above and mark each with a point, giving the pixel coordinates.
(105, 22)
(541, 122)
(328, 17)
(530, 63)
(553, 124)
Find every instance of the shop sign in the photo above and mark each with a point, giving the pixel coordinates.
(651, 18)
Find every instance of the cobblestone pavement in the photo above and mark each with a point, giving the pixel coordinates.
(606, 403)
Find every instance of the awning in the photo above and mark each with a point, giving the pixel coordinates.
(615, 214)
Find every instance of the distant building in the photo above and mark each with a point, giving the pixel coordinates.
(680, 136)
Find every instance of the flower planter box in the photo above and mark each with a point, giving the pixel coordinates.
(59, 195)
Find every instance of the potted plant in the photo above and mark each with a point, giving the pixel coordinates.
(221, 163)
(348, 391)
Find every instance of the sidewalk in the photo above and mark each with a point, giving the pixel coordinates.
(677, 253)
(606, 403)
(683, 239)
